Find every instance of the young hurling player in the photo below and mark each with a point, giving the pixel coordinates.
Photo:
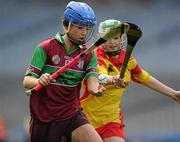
(55, 109)
(104, 113)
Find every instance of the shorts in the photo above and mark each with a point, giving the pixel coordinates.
(112, 129)
(56, 131)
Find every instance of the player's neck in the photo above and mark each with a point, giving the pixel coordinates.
(68, 42)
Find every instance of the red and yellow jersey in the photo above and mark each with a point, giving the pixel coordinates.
(105, 109)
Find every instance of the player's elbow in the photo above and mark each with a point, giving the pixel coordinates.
(24, 83)
(29, 82)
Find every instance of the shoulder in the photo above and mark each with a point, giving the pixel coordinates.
(48, 42)
(100, 53)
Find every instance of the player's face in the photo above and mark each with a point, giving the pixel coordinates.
(79, 32)
(113, 44)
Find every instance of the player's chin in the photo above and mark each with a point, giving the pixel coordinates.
(81, 39)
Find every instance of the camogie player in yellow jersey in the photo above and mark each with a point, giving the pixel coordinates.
(104, 112)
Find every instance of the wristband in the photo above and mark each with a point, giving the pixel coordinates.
(102, 79)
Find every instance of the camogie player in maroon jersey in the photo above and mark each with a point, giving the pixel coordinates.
(55, 109)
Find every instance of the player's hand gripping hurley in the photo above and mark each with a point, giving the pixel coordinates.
(121, 29)
(133, 35)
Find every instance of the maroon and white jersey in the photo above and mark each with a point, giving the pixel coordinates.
(59, 100)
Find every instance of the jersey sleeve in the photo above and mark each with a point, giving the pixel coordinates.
(91, 69)
(144, 77)
(37, 62)
(138, 74)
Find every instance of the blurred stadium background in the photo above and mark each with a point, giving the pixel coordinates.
(148, 115)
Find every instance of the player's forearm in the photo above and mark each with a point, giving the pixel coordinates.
(29, 82)
(160, 87)
(92, 84)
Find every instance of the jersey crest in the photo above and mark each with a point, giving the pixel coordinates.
(56, 59)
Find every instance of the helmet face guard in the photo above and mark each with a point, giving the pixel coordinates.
(80, 14)
(113, 46)
(89, 30)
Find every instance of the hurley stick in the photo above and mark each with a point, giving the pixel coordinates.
(121, 29)
(133, 35)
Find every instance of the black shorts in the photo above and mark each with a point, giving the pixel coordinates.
(56, 131)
